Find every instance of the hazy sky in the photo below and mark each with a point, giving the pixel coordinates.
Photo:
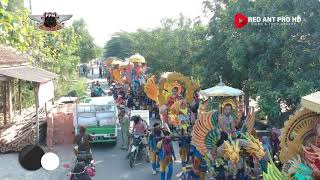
(105, 17)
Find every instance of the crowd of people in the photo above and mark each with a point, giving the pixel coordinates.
(96, 89)
(159, 137)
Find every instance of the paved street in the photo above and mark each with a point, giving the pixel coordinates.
(114, 166)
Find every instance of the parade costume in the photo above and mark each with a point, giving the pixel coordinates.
(161, 91)
(199, 167)
(184, 144)
(165, 154)
(116, 74)
(206, 135)
(153, 151)
(137, 79)
(267, 147)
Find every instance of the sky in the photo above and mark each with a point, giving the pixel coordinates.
(105, 17)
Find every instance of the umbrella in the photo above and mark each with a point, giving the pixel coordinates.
(125, 64)
(311, 102)
(116, 62)
(137, 58)
(221, 90)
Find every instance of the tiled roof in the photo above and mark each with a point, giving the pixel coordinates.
(28, 73)
(10, 56)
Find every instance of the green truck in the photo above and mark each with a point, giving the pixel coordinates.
(100, 117)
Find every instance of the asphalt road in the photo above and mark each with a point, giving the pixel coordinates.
(114, 166)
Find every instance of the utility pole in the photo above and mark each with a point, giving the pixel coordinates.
(30, 6)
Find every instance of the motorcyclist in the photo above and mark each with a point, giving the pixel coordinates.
(139, 128)
(82, 143)
(98, 90)
(92, 89)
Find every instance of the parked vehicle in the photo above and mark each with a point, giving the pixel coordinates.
(100, 116)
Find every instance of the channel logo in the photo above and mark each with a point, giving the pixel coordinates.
(240, 20)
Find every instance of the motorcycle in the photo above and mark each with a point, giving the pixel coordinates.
(81, 171)
(83, 156)
(137, 149)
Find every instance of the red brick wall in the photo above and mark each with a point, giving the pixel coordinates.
(60, 125)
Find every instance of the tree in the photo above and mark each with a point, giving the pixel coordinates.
(87, 48)
(171, 47)
(57, 52)
(14, 5)
(120, 45)
(277, 63)
(98, 51)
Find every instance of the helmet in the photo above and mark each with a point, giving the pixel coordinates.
(136, 118)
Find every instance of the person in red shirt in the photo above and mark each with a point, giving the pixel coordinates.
(139, 127)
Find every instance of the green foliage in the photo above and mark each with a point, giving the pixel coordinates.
(87, 50)
(98, 51)
(172, 47)
(78, 86)
(4, 4)
(14, 5)
(59, 52)
(27, 94)
(121, 46)
(277, 63)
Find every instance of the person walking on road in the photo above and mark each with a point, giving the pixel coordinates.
(166, 155)
(154, 137)
(130, 102)
(100, 71)
(93, 88)
(92, 71)
(124, 122)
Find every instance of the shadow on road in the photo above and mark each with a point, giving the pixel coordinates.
(103, 146)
